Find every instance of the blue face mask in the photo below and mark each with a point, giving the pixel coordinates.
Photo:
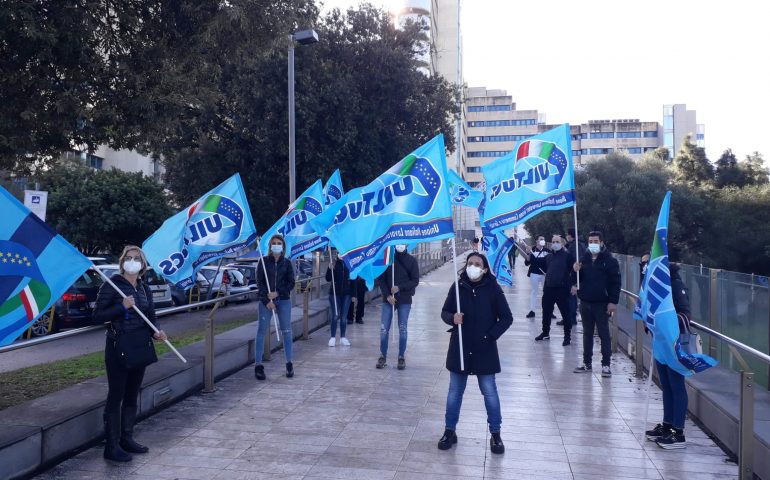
(276, 249)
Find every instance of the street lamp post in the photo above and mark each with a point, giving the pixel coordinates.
(303, 37)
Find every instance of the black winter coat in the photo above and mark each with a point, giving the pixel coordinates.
(341, 279)
(109, 306)
(407, 278)
(486, 317)
(280, 275)
(600, 278)
(559, 272)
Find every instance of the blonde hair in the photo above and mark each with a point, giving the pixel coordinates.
(131, 248)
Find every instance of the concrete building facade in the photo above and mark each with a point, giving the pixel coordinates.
(678, 123)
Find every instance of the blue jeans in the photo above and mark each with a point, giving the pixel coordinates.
(674, 395)
(454, 400)
(343, 303)
(387, 319)
(283, 310)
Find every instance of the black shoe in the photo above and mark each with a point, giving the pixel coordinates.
(496, 443)
(673, 439)
(360, 321)
(583, 369)
(116, 454)
(542, 336)
(401, 363)
(565, 342)
(660, 430)
(560, 322)
(289, 370)
(449, 439)
(130, 445)
(259, 372)
(381, 362)
(531, 314)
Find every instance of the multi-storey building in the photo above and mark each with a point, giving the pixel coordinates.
(678, 123)
(598, 138)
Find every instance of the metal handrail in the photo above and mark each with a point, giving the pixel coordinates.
(760, 355)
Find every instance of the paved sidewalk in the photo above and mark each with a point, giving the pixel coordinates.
(339, 417)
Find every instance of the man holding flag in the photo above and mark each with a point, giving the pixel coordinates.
(657, 309)
(397, 285)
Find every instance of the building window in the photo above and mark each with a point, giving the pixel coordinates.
(474, 184)
(599, 151)
(635, 150)
(668, 141)
(488, 154)
(668, 122)
(502, 123)
(700, 136)
(490, 108)
(651, 134)
(629, 135)
(473, 169)
(576, 153)
(602, 135)
(499, 138)
(94, 162)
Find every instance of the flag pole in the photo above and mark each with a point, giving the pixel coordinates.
(577, 242)
(136, 309)
(457, 298)
(267, 283)
(649, 386)
(393, 284)
(334, 288)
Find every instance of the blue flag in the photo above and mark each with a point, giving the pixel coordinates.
(333, 190)
(36, 267)
(407, 204)
(217, 224)
(497, 248)
(294, 225)
(377, 266)
(656, 306)
(461, 193)
(536, 176)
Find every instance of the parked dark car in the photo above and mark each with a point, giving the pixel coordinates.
(199, 292)
(161, 293)
(74, 308)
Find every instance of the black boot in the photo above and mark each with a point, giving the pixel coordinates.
(112, 449)
(449, 439)
(496, 443)
(259, 372)
(127, 442)
(289, 370)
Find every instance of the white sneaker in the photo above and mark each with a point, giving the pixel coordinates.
(332, 342)
(606, 372)
(344, 341)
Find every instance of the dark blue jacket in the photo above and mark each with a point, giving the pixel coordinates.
(109, 306)
(280, 278)
(341, 274)
(600, 278)
(486, 317)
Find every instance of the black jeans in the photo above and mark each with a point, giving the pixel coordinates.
(595, 314)
(357, 313)
(559, 296)
(123, 384)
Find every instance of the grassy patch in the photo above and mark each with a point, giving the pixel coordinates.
(28, 383)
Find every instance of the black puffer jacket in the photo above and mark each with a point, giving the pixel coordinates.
(407, 278)
(486, 317)
(109, 306)
(600, 278)
(559, 272)
(341, 279)
(280, 275)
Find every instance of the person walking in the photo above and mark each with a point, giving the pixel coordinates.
(484, 317)
(556, 289)
(397, 285)
(339, 272)
(126, 330)
(535, 259)
(275, 281)
(599, 292)
(669, 434)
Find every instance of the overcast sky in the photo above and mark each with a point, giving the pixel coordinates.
(604, 59)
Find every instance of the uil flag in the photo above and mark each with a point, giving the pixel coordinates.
(217, 224)
(497, 253)
(409, 203)
(333, 190)
(536, 176)
(461, 193)
(36, 267)
(294, 225)
(376, 267)
(656, 306)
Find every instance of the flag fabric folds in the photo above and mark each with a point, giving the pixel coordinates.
(377, 266)
(294, 225)
(536, 176)
(461, 193)
(497, 247)
(37, 266)
(217, 224)
(333, 190)
(656, 306)
(407, 204)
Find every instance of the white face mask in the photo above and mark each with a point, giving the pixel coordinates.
(594, 248)
(276, 249)
(474, 272)
(541, 243)
(132, 266)
(400, 248)
(556, 246)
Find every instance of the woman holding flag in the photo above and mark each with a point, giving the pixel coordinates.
(274, 286)
(484, 317)
(339, 298)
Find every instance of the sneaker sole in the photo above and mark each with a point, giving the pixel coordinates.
(541, 339)
(606, 375)
(581, 371)
(672, 446)
(653, 438)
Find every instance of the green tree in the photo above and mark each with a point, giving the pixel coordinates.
(102, 210)
(754, 170)
(691, 165)
(727, 171)
(661, 154)
(361, 105)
